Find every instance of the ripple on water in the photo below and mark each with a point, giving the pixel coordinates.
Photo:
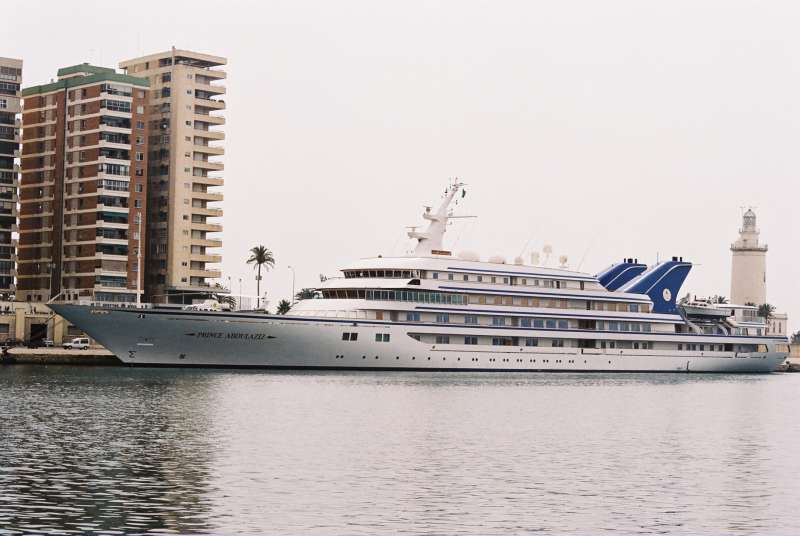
(113, 450)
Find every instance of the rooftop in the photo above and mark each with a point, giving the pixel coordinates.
(181, 56)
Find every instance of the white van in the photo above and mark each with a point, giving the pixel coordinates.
(78, 343)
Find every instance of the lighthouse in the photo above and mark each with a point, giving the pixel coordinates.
(749, 264)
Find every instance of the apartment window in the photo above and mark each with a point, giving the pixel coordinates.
(139, 156)
(140, 125)
(470, 339)
(139, 172)
(139, 140)
(4, 103)
(137, 203)
(442, 339)
(140, 109)
(139, 188)
(166, 77)
(188, 123)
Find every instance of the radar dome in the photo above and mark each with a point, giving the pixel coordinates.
(519, 261)
(469, 256)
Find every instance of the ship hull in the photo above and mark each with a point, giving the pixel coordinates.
(153, 337)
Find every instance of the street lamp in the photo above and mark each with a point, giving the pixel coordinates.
(292, 300)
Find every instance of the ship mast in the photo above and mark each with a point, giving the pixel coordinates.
(429, 242)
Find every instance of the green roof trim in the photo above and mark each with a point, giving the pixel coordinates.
(86, 80)
(83, 68)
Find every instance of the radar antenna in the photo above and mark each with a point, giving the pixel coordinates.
(430, 241)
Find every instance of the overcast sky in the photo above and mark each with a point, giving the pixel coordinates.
(607, 129)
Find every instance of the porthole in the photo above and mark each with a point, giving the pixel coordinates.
(363, 357)
(429, 358)
(376, 357)
(398, 357)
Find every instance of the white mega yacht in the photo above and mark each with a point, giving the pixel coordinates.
(434, 311)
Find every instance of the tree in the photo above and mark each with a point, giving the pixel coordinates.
(720, 299)
(765, 311)
(283, 307)
(306, 294)
(221, 294)
(260, 257)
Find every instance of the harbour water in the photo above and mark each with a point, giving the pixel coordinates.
(100, 449)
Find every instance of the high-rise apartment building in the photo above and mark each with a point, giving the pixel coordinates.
(10, 80)
(83, 191)
(185, 171)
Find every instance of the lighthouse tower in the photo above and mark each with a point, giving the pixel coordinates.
(749, 264)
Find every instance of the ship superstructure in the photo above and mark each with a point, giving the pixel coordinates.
(433, 310)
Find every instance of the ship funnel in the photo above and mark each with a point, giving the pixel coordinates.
(620, 273)
(661, 283)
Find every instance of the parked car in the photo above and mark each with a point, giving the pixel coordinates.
(78, 343)
(40, 343)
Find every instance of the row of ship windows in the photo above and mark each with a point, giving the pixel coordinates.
(472, 340)
(480, 299)
(452, 276)
(543, 323)
(476, 359)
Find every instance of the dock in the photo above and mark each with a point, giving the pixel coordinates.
(60, 356)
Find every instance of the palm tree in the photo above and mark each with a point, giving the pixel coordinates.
(306, 294)
(765, 311)
(720, 299)
(221, 294)
(283, 307)
(260, 256)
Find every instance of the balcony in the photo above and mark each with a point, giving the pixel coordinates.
(212, 104)
(207, 242)
(206, 211)
(210, 119)
(209, 227)
(208, 196)
(210, 166)
(209, 134)
(209, 181)
(203, 257)
(209, 149)
(209, 274)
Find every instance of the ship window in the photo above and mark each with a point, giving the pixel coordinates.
(450, 277)
(563, 324)
(551, 324)
(557, 343)
(646, 327)
(524, 281)
(442, 339)
(480, 278)
(466, 277)
(345, 336)
(494, 279)
(416, 338)
(436, 275)
(443, 318)
(538, 323)
(498, 321)
(470, 340)
(702, 347)
(413, 317)
(386, 337)
(470, 319)
(680, 346)
(636, 346)
(531, 341)
(633, 307)
(505, 281)
(354, 336)
(525, 322)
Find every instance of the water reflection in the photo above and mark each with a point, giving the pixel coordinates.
(92, 450)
